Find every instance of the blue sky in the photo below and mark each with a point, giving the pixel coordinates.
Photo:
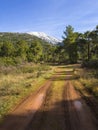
(49, 16)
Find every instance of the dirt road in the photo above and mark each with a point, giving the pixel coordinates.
(56, 106)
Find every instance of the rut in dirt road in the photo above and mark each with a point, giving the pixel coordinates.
(79, 115)
(22, 115)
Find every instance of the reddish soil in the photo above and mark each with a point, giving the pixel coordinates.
(79, 115)
(71, 113)
(22, 115)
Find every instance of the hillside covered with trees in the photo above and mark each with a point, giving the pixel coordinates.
(16, 48)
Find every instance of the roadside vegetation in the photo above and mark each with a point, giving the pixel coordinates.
(18, 82)
(87, 81)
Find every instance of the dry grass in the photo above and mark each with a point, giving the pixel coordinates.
(88, 79)
(91, 85)
(18, 82)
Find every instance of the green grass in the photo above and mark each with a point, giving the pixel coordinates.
(88, 78)
(49, 113)
(91, 85)
(18, 82)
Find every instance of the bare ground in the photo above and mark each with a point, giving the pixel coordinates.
(53, 107)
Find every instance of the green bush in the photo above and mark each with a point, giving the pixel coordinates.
(17, 60)
(6, 61)
(90, 64)
(95, 73)
(27, 69)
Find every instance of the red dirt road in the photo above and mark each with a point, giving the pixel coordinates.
(70, 113)
(67, 113)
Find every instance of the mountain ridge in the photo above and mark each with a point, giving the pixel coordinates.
(45, 37)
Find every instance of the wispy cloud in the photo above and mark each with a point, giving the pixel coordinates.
(50, 16)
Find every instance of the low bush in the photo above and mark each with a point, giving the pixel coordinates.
(18, 81)
(90, 64)
(6, 61)
(91, 84)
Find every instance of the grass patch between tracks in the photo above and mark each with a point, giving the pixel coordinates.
(50, 114)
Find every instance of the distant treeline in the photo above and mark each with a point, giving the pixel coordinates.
(16, 48)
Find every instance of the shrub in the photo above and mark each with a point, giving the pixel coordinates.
(90, 64)
(6, 61)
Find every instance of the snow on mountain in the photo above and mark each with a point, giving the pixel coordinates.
(45, 37)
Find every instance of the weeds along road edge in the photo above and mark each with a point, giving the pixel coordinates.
(26, 109)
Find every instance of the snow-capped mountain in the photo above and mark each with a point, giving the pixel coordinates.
(45, 37)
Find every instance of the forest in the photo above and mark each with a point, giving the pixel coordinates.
(16, 48)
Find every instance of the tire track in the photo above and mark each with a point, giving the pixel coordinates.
(24, 112)
(79, 116)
